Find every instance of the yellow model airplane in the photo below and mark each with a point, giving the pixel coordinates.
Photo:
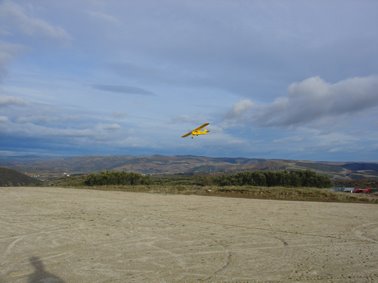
(198, 131)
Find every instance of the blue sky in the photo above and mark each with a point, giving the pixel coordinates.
(275, 79)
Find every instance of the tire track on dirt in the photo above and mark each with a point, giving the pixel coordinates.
(361, 231)
(224, 266)
(282, 231)
(9, 248)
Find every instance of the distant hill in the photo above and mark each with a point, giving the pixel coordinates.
(362, 166)
(10, 177)
(187, 164)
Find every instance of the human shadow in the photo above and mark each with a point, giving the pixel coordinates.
(40, 274)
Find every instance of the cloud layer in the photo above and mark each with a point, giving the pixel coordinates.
(123, 89)
(10, 100)
(15, 17)
(274, 79)
(310, 100)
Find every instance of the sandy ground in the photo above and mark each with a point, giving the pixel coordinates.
(72, 235)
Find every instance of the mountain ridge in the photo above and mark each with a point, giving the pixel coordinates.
(184, 164)
(11, 177)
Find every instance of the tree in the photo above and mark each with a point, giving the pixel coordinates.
(116, 178)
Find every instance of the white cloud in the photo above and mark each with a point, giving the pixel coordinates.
(7, 52)
(311, 100)
(104, 17)
(240, 108)
(3, 119)
(16, 17)
(10, 100)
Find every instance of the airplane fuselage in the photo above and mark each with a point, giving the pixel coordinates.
(199, 132)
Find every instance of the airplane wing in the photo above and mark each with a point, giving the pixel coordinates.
(200, 127)
(196, 129)
(188, 134)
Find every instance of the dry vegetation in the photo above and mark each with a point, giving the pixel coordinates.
(275, 193)
(200, 185)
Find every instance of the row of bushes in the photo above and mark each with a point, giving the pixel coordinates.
(116, 178)
(258, 178)
(305, 178)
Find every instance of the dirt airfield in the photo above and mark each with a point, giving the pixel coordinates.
(78, 235)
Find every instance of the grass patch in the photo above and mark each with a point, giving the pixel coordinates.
(274, 193)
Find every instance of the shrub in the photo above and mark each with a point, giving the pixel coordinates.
(297, 178)
(116, 178)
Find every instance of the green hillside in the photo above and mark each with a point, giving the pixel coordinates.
(9, 177)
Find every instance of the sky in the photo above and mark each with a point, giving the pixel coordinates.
(286, 79)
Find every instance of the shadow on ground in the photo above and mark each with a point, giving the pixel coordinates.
(40, 274)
